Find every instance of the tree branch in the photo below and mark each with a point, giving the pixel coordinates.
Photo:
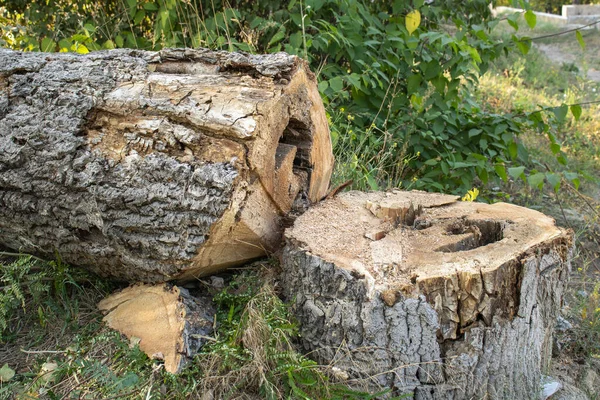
(563, 32)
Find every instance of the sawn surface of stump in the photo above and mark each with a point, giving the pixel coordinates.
(154, 166)
(427, 295)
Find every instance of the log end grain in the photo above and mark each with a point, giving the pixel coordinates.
(168, 323)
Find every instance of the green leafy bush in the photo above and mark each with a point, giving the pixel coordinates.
(398, 100)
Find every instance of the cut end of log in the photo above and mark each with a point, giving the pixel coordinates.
(168, 322)
(433, 287)
(419, 243)
(418, 235)
(172, 165)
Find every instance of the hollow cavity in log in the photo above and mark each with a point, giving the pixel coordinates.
(429, 296)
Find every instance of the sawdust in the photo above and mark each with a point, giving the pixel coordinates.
(444, 236)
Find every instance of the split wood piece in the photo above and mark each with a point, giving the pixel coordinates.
(458, 304)
(170, 324)
(151, 166)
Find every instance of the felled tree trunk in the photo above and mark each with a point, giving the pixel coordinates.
(154, 166)
(428, 296)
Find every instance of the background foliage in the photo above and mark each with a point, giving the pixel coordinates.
(399, 102)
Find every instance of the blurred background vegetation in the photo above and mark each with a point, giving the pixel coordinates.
(549, 6)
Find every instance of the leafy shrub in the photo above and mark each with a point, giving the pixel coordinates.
(399, 100)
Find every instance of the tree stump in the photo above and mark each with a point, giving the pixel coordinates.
(150, 166)
(426, 295)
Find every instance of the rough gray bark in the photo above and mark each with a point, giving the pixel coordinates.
(155, 166)
(460, 313)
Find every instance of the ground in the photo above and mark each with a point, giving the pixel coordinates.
(563, 50)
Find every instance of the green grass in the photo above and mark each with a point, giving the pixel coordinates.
(58, 347)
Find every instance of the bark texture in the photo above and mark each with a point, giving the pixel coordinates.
(450, 300)
(166, 321)
(153, 166)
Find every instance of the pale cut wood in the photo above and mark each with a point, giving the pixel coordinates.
(155, 166)
(457, 301)
(167, 322)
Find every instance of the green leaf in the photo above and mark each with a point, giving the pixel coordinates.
(431, 161)
(89, 27)
(372, 182)
(580, 39)
(573, 177)
(474, 132)
(483, 175)
(150, 7)
(414, 81)
(412, 21)
(445, 168)
(109, 45)
(554, 180)
(323, 85)
(523, 44)
(501, 171)
(555, 148)
(119, 41)
(6, 373)
(576, 111)
(531, 18)
(278, 37)
(354, 80)
(512, 20)
(440, 84)
(438, 126)
(139, 17)
(64, 45)
(416, 101)
(500, 128)
(513, 150)
(48, 45)
(130, 380)
(336, 84)
(536, 180)
(560, 112)
(562, 159)
(474, 54)
(80, 38)
(431, 70)
(296, 40)
(516, 172)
